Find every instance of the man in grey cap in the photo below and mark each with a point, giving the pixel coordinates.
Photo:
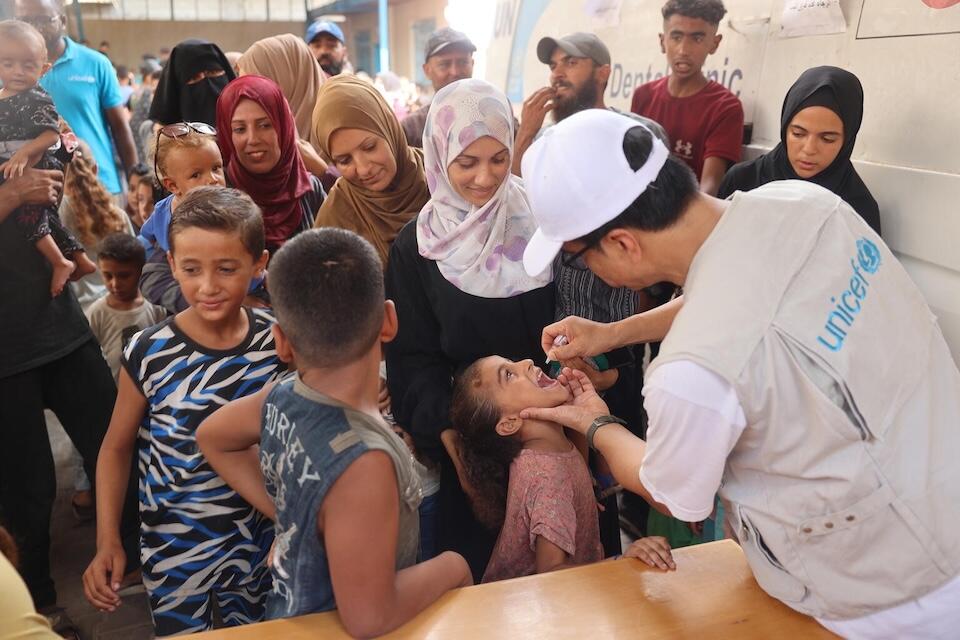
(579, 70)
(448, 57)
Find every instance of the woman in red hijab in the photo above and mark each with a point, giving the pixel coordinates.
(257, 135)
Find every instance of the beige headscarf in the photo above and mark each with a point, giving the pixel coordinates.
(286, 60)
(346, 102)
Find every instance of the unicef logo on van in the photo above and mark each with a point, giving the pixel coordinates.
(868, 255)
(847, 305)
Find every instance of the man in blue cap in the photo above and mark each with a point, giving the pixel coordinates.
(329, 46)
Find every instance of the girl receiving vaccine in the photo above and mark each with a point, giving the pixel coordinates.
(524, 477)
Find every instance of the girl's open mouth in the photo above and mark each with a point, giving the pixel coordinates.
(544, 381)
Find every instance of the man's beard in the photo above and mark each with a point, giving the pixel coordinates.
(330, 67)
(52, 44)
(583, 98)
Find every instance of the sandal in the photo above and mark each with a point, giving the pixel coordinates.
(61, 623)
(83, 512)
(131, 584)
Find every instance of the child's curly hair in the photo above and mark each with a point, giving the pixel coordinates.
(486, 455)
(94, 214)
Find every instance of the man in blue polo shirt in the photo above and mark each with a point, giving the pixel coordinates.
(85, 91)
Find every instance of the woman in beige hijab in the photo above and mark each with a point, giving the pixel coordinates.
(286, 60)
(382, 184)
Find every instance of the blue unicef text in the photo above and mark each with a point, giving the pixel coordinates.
(849, 303)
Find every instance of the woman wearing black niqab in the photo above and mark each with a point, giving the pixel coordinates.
(190, 84)
(839, 91)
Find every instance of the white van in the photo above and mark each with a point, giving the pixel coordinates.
(905, 52)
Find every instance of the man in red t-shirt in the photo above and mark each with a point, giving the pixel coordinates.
(703, 119)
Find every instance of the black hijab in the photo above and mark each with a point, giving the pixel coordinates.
(176, 101)
(841, 92)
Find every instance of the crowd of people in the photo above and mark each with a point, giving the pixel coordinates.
(300, 354)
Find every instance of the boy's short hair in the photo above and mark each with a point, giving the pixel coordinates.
(23, 32)
(663, 202)
(138, 169)
(220, 209)
(710, 11)
(124, 248)
(326, 286)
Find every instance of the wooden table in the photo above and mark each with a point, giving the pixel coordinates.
(711, 596)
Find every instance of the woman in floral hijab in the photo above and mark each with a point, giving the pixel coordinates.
(456, 276)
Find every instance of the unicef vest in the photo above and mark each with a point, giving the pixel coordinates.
(844, 489)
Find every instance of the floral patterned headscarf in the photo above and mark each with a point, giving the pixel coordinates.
(477, 249)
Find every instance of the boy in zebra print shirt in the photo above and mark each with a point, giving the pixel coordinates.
(200, 541)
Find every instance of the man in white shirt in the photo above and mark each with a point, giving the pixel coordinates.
(805, 379)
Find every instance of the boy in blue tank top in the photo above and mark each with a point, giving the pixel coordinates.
(201, 542)
(339, 483)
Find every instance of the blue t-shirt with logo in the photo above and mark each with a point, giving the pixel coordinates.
(83, 86)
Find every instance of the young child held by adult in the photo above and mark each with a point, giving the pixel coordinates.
(117, 316)
(344, 485)
(186, 156)
(524, 476)
(200, 541)
(29, 127)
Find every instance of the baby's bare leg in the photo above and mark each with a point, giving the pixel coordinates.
(84, 265)
(62, 268)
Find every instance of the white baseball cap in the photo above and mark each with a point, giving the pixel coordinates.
(578, 179)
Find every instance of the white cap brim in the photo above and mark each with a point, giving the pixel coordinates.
(540, 253)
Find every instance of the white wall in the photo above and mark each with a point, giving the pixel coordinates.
(130, 39)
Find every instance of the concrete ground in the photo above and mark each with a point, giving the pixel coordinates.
(73, 546)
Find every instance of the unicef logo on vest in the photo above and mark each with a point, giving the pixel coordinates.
(848, 304)
(868, 255)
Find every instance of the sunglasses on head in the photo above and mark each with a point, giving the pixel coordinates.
(178, 130)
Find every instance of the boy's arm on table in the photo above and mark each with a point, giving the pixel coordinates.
(654, 551)
(358, 523)
(651, 550)
(29, 154)
(102, 578)
(229, 439)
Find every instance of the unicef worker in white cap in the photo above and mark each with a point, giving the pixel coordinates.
(805, 379)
